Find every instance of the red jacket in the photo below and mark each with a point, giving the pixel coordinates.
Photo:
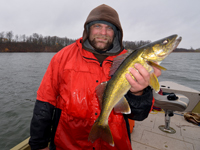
(67, 92)
(69, 84)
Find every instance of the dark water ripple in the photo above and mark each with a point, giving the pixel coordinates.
(21, 74)
(20, 77)
(183, 68)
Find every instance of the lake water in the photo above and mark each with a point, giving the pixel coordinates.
(21, 74)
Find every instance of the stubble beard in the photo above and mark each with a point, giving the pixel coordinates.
(104, 44)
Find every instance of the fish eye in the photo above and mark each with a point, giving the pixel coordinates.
(165, 41)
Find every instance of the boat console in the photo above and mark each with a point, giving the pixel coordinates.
(175, 97)
(170, 102)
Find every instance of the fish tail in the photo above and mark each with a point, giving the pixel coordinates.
(101, 131)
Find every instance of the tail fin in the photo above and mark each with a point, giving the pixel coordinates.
(100, 131)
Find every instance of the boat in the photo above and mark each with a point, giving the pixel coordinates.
(166, 129)
(22, 146)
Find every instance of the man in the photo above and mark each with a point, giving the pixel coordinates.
(66, 99)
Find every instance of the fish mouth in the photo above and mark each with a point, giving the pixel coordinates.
(176, 43)
(174, 46)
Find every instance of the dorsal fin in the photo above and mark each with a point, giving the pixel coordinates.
(118, 60)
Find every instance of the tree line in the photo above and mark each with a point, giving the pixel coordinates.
(33, 43)
(39, 43)
(8, 37)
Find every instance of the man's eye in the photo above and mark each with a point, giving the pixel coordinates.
(96, 26)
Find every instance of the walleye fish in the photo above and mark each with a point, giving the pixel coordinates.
(114, 90)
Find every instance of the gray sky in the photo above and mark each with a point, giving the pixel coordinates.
(140, 19)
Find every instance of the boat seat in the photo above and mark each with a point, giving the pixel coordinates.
(170, 102)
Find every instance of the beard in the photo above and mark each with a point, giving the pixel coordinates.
(101, 45)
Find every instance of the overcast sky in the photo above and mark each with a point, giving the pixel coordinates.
(140, 19)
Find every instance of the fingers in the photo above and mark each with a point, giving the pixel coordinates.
(142, 73)
(141, 76)
(157, 71)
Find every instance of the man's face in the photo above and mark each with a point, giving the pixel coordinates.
(101, 36)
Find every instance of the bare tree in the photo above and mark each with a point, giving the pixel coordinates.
(23, 37)
(16, 38)
(35, 38)
(9, 36)
(1, 37)
(41, 39)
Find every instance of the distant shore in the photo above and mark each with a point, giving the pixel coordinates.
(39, 43)
(36, 47)
(182, 50)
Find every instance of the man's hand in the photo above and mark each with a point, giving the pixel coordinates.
(142, 77)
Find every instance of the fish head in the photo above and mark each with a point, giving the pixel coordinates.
(159, 50)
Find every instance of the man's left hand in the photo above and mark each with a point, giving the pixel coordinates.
(142, 77)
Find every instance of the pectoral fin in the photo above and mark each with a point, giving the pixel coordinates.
(154, 82)
(122, 106)
(156, 65)
(99, 91)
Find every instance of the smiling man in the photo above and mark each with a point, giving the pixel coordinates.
(101, 36)
(67, 105)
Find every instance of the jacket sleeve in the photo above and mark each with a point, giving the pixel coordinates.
(40, 129)
(140, 105)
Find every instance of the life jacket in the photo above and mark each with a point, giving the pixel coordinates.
(69, 84)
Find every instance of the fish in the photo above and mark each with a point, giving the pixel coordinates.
(111, 93)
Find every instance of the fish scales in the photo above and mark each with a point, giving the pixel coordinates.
(114, 90)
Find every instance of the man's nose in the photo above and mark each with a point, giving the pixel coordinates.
(103, 31)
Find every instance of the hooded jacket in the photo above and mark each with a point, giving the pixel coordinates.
(108, 14)
(67, 105)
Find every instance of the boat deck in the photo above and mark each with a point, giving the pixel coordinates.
(147, 136)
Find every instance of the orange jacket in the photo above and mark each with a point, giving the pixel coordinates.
(69, 84)
(67, 94)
